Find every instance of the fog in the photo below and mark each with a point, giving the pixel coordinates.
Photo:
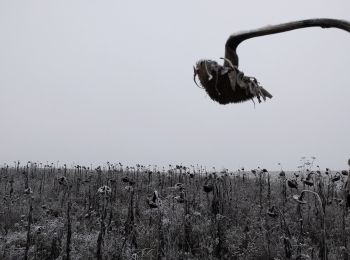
(88, 82)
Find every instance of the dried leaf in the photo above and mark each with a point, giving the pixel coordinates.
(240, 80)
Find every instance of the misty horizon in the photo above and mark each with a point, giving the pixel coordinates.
(89, 82)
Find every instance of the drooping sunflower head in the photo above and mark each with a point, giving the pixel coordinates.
(226, 84)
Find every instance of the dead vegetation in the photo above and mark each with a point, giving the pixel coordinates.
(118, 212)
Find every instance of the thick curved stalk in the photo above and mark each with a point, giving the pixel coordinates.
(235, 39)
(324, 235)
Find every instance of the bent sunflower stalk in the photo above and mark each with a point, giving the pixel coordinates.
(227, 84)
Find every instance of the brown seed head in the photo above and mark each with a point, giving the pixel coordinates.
(226, 84)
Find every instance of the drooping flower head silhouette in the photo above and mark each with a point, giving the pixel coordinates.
(226, 83)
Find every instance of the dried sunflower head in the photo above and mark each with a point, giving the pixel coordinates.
(227, 84)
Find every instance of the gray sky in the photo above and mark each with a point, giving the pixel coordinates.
(96, 81)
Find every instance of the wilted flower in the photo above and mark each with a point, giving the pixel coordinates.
(308, 182)
(125, 179)
(299, 199)
(292, 184)
(153, 201)
(336, 178)
(226, 84)
(179, 186)
(62, 180)
(208, 188)
(128, 180)
(104, 190)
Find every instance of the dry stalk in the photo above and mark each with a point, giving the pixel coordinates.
(30, 219)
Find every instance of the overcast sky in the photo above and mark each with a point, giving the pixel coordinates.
(96, 81)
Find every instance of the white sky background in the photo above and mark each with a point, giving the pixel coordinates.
(96, 81)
